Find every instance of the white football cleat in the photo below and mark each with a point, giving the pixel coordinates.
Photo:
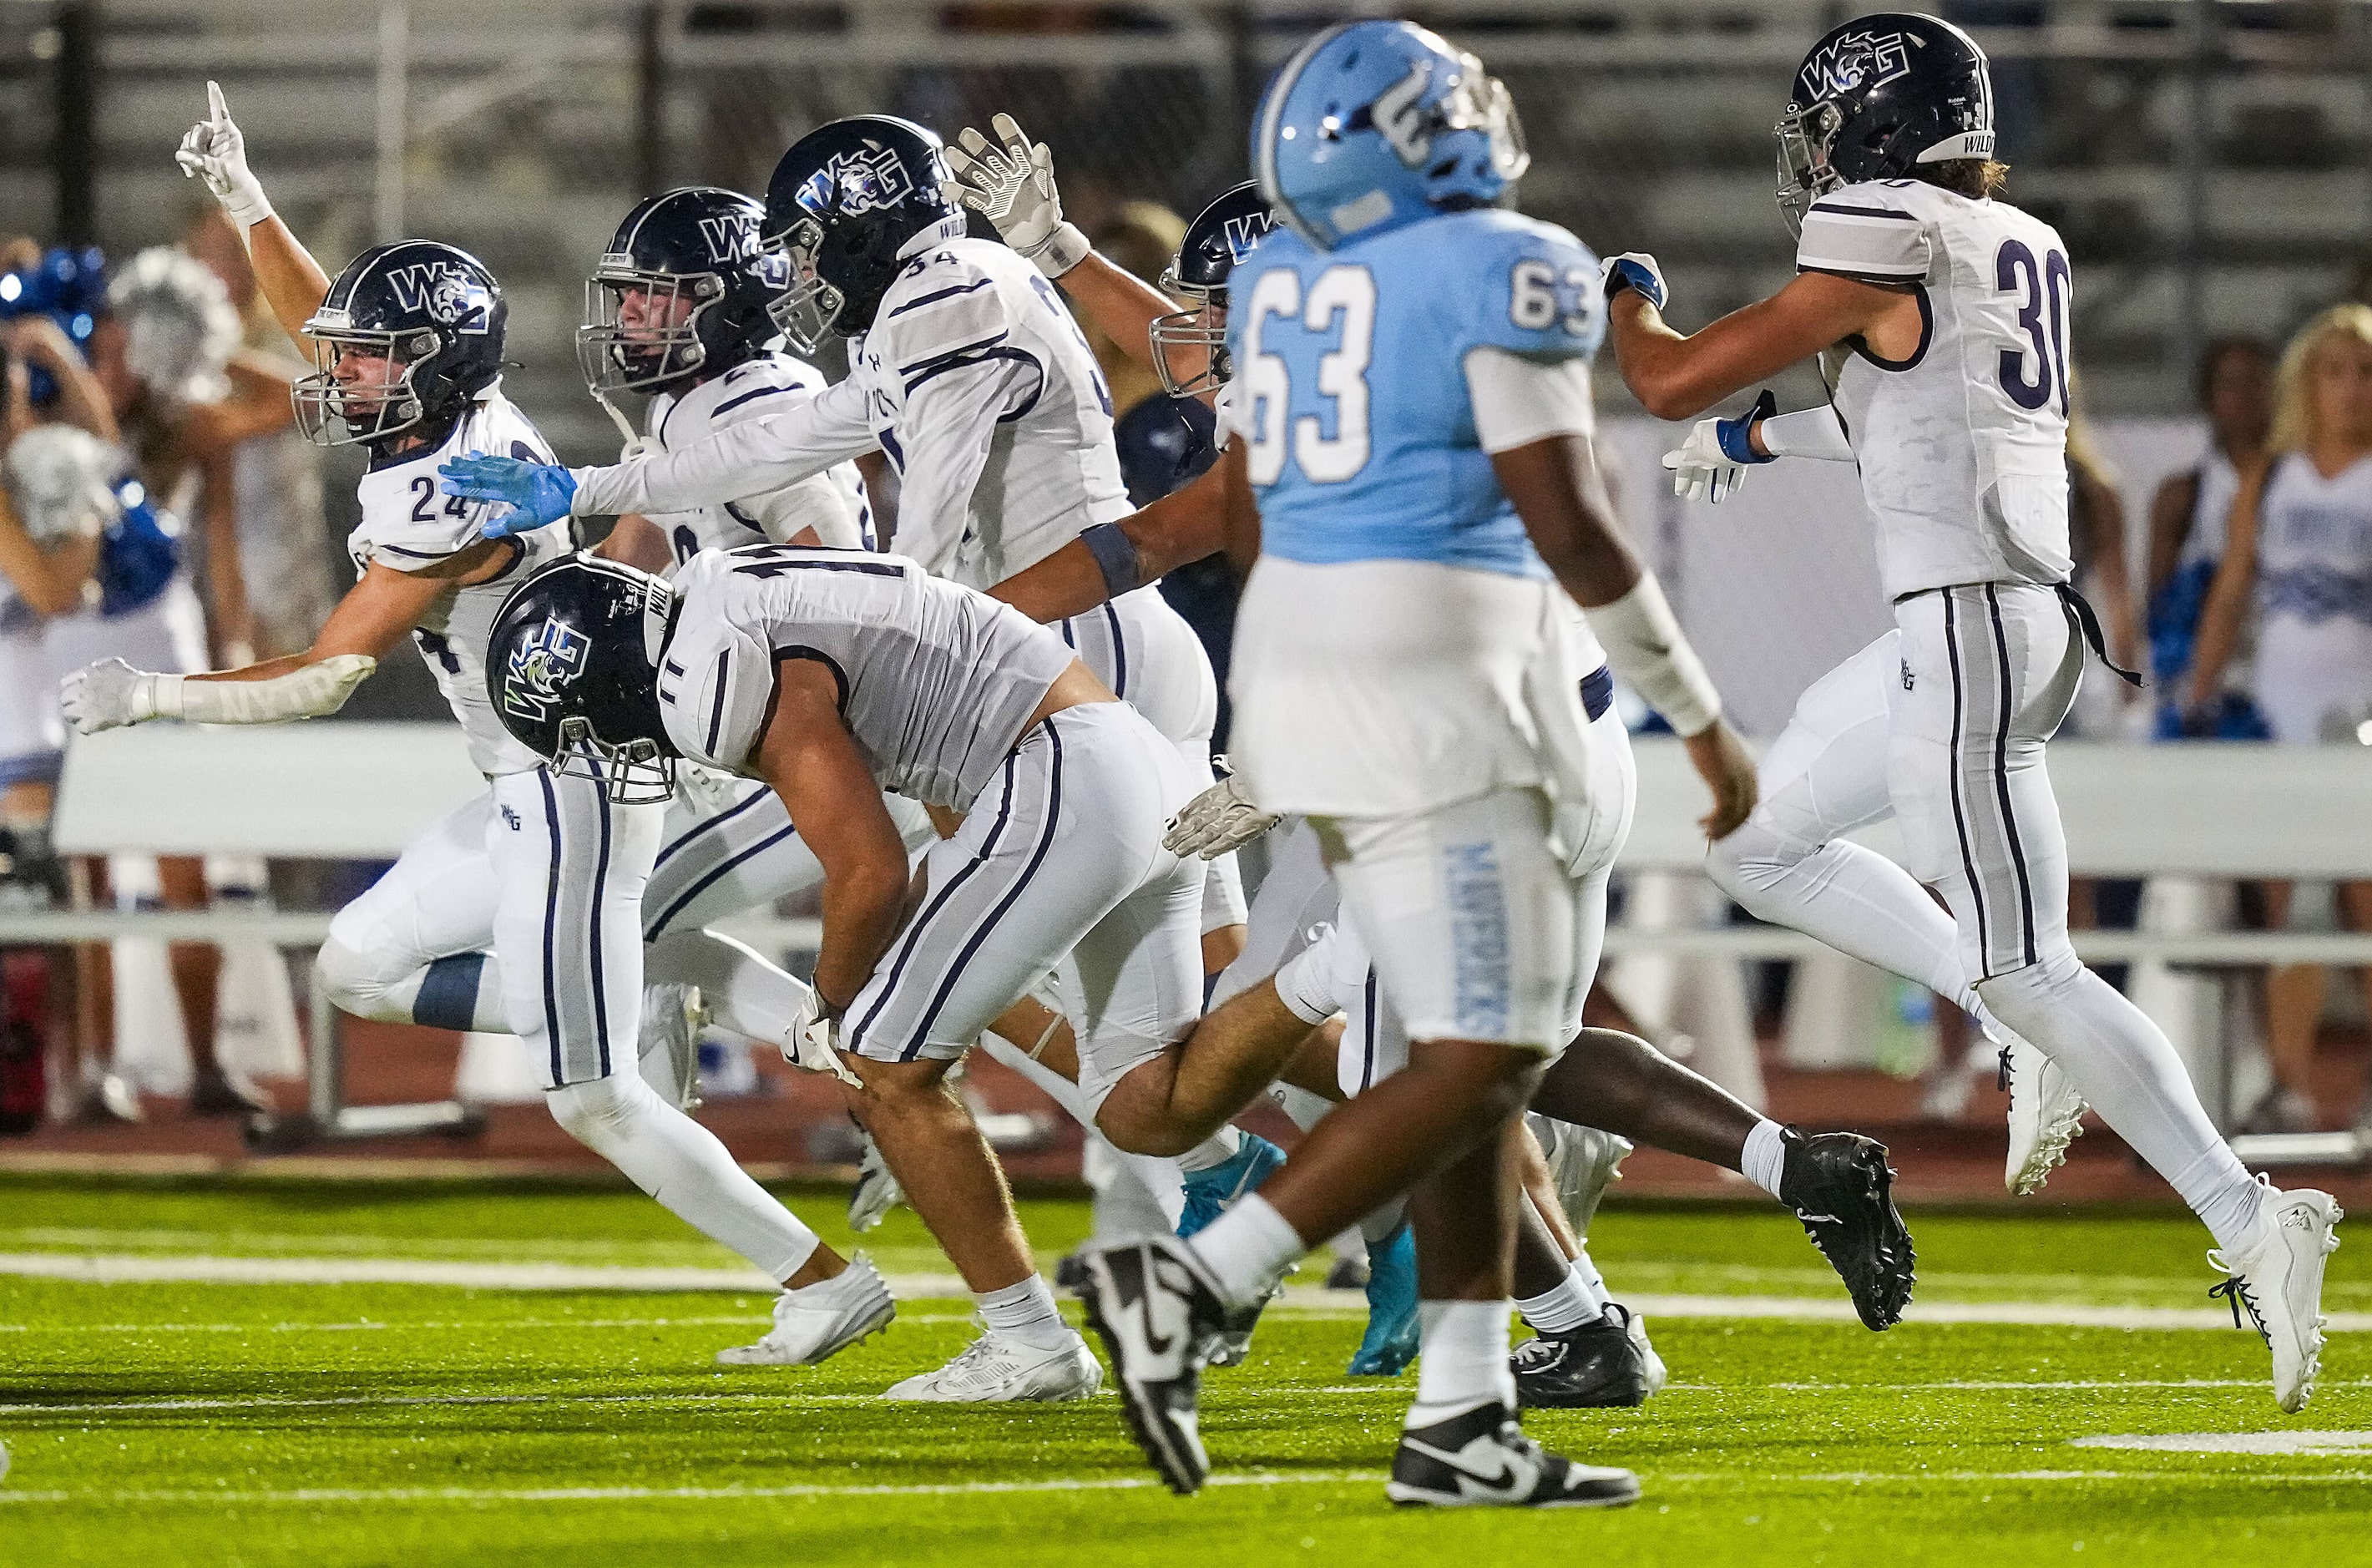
(1583, 1163)
(2046, 1114)
(876, 1191)
(820, 1320)
(994, 1369)
(673, 1015)
(2276, 1273)
(1651, 1364)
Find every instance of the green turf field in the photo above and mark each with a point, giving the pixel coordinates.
(169, 1422)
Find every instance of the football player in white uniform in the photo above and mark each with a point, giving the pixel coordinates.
(1939, 316)
(546, 871)
(830, 676)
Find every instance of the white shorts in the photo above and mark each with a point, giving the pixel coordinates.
(2313, 680)
(32, 735)
(166, 635)
(548, 873)
(1475, 924)
(1145, 651)
(1058, 864)
(728, 846)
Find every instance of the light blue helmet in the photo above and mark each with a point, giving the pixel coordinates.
(1375, 124)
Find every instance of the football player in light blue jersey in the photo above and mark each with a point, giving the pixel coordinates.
(1412, 410)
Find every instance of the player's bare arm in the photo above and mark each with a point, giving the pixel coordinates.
(810, 758)
(2231, 597)
(1679, 375)
(1186, 525)
(50, 580)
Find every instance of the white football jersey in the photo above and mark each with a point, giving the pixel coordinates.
(833, 502)
(936, 681)
(1963, 446)
(978, 385)
(408, 524)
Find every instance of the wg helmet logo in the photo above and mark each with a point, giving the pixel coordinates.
(446, 294)
(861, 183)
(730, 240)
(1245, 232)
(541, 667)
(1855, 61)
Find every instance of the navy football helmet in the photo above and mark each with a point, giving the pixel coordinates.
(847, 204)
(571, 668)
(704, 279)
(432, 311)
(1221, 235)
(1875, 99)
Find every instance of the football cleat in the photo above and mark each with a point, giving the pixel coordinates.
(1583, 1163)
(1233, 1344)
(1596, 1366)
(997, 1370)
(820, 1320)
(1840, 1188)
(673, 1015)
(1481, 1460)
(1158, 1314)
(1210, 1192)
(2276, 1275)
(1657, 1375)
(876, 1191)
(1391, 1341)
(2046, 1114)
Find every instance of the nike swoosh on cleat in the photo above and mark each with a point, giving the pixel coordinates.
(1500, 1480)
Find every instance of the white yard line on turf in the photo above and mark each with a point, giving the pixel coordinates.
(128, 1268)
(472, 1325)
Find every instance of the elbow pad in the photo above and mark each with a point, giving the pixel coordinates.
(309, 692)
(1647, 647)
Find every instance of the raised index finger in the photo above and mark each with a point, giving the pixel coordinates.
(218, 111)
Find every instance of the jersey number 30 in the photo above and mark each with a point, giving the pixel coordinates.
(2041, 289)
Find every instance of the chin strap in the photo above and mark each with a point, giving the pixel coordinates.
(636, 445)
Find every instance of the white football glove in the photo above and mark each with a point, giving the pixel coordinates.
(808, 1043)
(1220, 819)
(215, 152)
(1013, 187)
(107, 695)
(1701, 470)
(1634, 268)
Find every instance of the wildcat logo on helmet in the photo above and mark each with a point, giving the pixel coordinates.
(1245, 232)
(540, 667)
(1856, 60)
(448, 296)
(730, 238)
(858, 182)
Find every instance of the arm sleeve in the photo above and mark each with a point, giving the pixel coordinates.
(765, 454)
(1518, 400)
(1807, 432)
(963, 374)
(819, 501)
(1857, 233)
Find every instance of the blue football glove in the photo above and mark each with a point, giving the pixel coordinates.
(1634, 268)
(1737, 436)
(538, 495)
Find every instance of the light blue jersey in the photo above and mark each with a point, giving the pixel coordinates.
(1351, 388)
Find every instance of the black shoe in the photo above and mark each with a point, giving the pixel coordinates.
(1596, 1366)
(214, 1092)
(1839, 1185)
(1159, 1316)
(1481, 1460)
(1070, 1273)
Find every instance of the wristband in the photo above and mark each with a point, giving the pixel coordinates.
(1644, 644)
(1737, 436)
(1116, 557)
(1061, 251)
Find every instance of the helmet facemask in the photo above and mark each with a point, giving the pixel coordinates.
(664, 347)
(1197, 336)
(640, 771)
(368, 412)
(1806, 136)
(1481, 101)
(806, 311)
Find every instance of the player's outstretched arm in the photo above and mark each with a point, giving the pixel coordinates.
(749, 458)
(2229, 597)
(1677, 376)
(1111, 559)
(1557, 489)
(215, 151)
(377, 613)
(812, 761)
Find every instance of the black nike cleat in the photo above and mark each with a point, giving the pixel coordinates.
(1841, 1190)
(1597, 1367)
(1481, 1460)
(1160, 1317)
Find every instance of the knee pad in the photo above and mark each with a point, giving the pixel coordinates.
(602, 1114)
(1750, 859)
(2039, 984)
(355, 983)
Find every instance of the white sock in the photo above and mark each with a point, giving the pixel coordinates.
(1247, 1247)
(1461, 1360)
(1307, 985)
(1306, 1109)
(681, 1163)
(2126, 1069)
(1573, 1302)
(1025, 1312)
(1379, 1224)
(742, 991)
(1590, 1278)
(1217, 1149)
(1766, 1156)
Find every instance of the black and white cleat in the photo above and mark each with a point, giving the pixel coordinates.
(1159, 1316)
(1842, 1192)
(1481, 1460)
(1599, 1365)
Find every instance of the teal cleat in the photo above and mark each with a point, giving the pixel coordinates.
(1209, 1193)
(1390, 1342)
